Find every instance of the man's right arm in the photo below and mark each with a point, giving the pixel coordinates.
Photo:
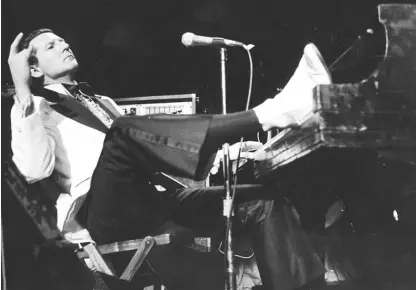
(33, 148)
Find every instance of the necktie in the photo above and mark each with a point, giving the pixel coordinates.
(84, 94)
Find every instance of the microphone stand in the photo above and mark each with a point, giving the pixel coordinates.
(231, 283)
(359, 38)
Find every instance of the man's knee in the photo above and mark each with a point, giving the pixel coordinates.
(255, 211)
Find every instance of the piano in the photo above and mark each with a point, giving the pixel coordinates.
(377, 114)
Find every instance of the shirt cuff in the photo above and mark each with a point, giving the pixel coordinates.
(26, 108)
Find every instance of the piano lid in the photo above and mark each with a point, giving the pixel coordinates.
(398, 70)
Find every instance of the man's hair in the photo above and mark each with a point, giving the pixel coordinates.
(37, 84)
(25, 42)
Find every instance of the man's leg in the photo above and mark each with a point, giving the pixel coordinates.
(179, 145)
(183, 145)
(123, 204)
(135, 148)
(285, 256)
(123, 207)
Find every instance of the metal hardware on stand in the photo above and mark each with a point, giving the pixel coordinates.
(231, 283)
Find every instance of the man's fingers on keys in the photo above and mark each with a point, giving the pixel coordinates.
(252, 145)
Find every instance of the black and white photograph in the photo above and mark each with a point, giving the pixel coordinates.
(208, 145)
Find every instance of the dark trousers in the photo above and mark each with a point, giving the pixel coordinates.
(124, 205)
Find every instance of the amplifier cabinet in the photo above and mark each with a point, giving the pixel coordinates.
(165, 104)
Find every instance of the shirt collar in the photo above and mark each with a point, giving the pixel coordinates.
(68, 89)
(59, 88)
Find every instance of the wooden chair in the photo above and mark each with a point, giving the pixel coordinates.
(94, 257)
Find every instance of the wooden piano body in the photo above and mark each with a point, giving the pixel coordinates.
(378, 113)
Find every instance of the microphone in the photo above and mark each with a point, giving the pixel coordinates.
(369, 31)
(190, 39)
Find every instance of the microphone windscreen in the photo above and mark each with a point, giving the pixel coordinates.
(187, 38)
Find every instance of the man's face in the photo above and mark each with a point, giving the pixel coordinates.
(55, 58)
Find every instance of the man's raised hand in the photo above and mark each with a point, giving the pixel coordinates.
(20, 67)
(20, 71)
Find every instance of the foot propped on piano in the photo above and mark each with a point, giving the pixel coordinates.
(295, 101)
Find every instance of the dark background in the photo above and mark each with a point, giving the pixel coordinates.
(133, 48)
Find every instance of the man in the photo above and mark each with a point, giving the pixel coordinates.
(72, 139)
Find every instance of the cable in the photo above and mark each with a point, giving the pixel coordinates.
(247, 48)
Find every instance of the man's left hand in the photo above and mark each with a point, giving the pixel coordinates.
(247, 151)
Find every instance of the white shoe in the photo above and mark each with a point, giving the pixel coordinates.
(295, 101)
